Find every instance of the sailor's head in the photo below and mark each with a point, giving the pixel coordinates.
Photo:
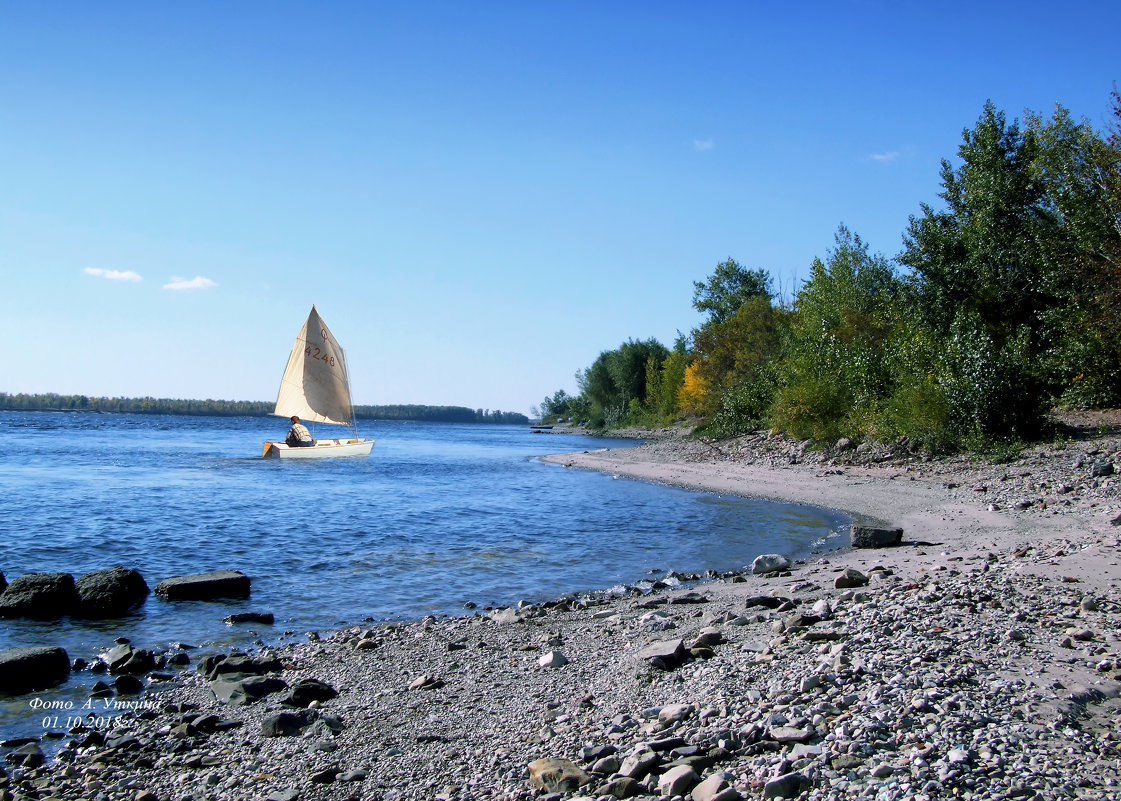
(295, 419)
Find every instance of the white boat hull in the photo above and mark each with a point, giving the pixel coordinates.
(322, 449)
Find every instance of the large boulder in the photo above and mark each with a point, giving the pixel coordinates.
(25, 669)
(874, 537)
(110, 593)
(770, 563)
(42, 596)
(205, 586)
(3, 583)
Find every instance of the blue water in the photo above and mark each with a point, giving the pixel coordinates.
(438, 515)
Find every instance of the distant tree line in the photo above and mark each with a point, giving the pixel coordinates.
(222, 408)
(1004, 303)
(441, 414)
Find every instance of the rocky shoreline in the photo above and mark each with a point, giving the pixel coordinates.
(978, 659)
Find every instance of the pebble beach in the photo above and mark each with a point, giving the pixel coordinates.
(980, 658)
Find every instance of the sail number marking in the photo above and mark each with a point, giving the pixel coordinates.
(322, 356)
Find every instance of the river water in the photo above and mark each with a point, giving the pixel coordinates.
(438, 515)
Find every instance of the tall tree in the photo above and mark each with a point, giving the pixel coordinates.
(985, 251)
(729, 287)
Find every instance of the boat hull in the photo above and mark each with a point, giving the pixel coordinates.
(322, 449)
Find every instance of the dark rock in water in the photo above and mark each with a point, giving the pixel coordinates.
(128, 684)
(179, 660)
(3, 583)
(251, 617)
(307, 690)
(42, 596)
(205, 586)
(240, 691)
(101, 690)
(29, 756)
(26, 669)
(110, 593)
(872, 537)
(126, 659)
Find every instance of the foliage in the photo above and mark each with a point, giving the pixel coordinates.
(834, 376)
(1011, 303)
(692, 396)
(618, 377)
(739, 350)
(663, 383)
(1082, 175)
(728, 288)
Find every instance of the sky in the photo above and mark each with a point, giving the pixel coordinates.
(479, 196)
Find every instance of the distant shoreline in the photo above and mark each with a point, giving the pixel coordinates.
(52, 402)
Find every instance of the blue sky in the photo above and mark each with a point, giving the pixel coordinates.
(479, 196)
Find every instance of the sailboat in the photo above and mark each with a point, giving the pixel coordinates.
(316, 388)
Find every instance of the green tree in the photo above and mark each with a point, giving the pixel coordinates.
(985, 251)
(835, 376)
(618, 377)
(1080, 172)
(728, 288)
(982, 275)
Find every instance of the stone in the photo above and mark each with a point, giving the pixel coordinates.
(639, 763)
(28, 756)
(205, 586)
(664, 655)
(711, 787)
(849, 578)
(874, 537)
(1101, 469)
(287, 724)
(124, 658)
(789, 785)
(622, 787)
(767, 601)
(556, 775)
(110, 593)
(241, 691)
(789, 734)
(770, 563)
(426, 683)
(305, 691)
(3, 583)
(708, 637)
(287, 794)
(25, 669)
(552, 659)
(265, 618)
(128, 684)
(40, 596)
(507, 615)
(678, 780)
(673, 713)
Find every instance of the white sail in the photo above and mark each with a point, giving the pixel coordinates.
(315, 385)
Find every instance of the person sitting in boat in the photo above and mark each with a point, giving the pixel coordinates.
(298, 436)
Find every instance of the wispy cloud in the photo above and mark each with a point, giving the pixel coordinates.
(885, 158)
(703, 145)
(112, 275)
(198, 282)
